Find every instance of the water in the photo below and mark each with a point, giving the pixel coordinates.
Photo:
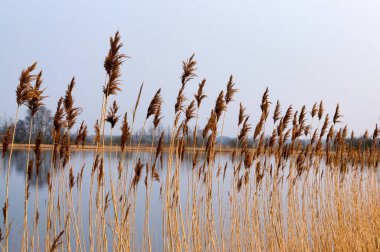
(85, 159)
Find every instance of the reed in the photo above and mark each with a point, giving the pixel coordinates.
(22, 96)
(296, 188)
(33, 103)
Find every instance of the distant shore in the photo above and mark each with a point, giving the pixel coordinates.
(113, 148)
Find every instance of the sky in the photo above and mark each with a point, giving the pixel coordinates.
(303, 51)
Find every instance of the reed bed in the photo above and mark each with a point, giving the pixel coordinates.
(297, 187)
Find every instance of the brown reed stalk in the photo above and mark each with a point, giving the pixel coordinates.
(135, 111)
(57, 242)
(22, 96)
(230, 92)
(112, 65)
(71, 114)
(38, 161)
(34, 102)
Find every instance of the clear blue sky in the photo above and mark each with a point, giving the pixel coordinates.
(304, 51)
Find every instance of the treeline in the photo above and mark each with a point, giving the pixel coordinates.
(43, 122)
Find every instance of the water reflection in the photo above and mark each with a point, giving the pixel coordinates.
(78, 160)
(85, 159)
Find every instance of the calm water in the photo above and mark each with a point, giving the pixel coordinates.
(86, 158)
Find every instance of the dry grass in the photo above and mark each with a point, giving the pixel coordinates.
(299, 188)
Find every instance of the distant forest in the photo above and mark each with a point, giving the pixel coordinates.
(43, 122)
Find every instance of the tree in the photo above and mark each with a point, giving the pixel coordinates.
(42, 121)
(21, 132)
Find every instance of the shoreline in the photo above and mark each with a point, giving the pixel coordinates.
(113, 148)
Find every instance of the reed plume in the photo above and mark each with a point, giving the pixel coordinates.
(330, 134)
(337, 114)
(189, 114)
(345, 131)
(97, 132)
(259, 127)
(112, 64)
(29, 172)
(5, 212)
(111, 117)
(81, 135)
(277, 112)
(188, 73)
(35, 96)
(155, 104)
(125, 132)
(24, 86)
(230, 90)
(160, 146)
(58, 124)
(302, 121)
(71, 178)
(324, 127)
(199, 96)
(188, 67)
(157, 115)
(37, 152)
(375, 132)
(211, 124)
(288, 116)
(7, 139)
(314, 110)
(265, 103)
(84, 135)
(314, 137)
(220, 105)
(365, 135)
(321, 109)
(138, 169)
(243, 136)
(71, 112)
(248, 158)
(242, 115)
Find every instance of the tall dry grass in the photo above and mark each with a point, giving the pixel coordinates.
(296, 187)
